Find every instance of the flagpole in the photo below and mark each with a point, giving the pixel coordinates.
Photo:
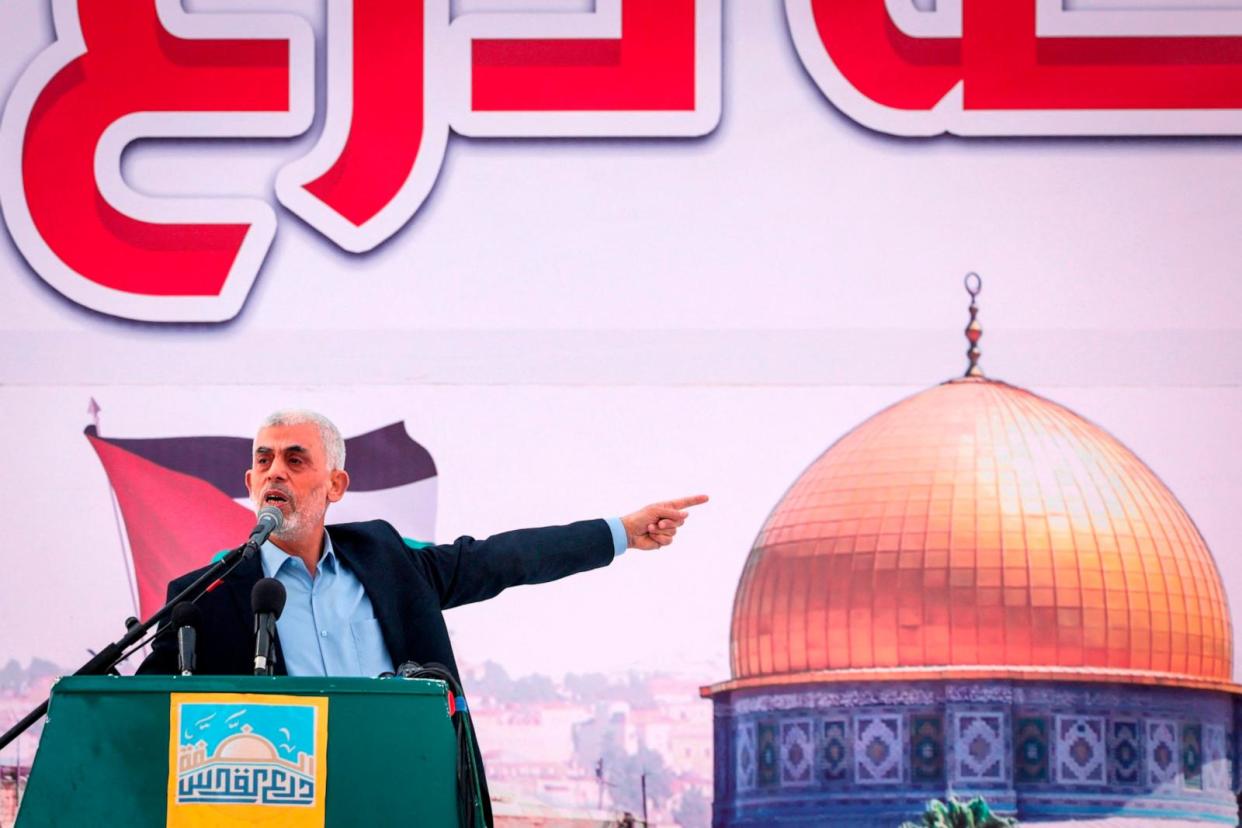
(131, 579)
(126, 555)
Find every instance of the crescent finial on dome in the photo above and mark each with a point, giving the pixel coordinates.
(974, 284)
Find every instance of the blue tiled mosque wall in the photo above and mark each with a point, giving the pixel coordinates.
(872, 754)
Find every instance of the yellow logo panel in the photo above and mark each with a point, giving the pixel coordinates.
(247, 759)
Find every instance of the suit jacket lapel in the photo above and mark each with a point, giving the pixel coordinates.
(366, 566)
(240, 583)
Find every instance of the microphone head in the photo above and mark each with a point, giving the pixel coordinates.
(186, 614)
(272, 515)
(268, 596)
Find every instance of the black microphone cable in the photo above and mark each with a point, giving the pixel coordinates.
(469, 793)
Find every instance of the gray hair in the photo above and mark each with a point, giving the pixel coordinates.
(333, 443)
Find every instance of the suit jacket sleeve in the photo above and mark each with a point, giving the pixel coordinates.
(469, 570)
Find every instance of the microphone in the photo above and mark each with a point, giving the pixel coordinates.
(270, 519)
(186, 618)
(267, 599)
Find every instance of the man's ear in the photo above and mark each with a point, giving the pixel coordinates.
(249, 490)
(338, 482)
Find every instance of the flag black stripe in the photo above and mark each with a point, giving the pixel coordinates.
(379, 459)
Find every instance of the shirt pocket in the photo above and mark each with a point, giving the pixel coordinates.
(369, 647)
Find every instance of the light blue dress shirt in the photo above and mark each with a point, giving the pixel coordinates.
(328, 627)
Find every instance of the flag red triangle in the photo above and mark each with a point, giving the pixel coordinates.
(174, 522)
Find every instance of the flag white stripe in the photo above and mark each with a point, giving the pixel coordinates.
(411, 508)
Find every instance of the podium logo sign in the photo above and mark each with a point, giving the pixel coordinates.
(253, 759)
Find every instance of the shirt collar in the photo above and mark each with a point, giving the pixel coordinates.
(273, 557)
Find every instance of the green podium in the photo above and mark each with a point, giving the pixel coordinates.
(215, 750)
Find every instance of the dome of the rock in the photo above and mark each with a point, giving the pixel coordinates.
(977, 592)
(977, 529)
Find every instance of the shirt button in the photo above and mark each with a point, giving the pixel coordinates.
(323, 633)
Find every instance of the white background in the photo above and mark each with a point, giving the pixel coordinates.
(576, 327)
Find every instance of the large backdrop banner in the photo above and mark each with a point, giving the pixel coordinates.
(544, 260)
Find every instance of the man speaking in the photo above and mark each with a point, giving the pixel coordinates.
(360, 598)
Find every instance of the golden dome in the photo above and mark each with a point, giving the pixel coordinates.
(976, 529)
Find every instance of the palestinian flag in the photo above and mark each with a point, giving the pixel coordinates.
(183, 499)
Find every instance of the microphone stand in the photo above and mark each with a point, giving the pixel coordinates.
(111, 655)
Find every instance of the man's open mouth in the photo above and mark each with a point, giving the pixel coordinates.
(274, 498)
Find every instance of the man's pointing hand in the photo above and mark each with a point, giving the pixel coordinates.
(654, 526)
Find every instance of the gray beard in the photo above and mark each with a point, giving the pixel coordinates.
(297, 523)
(291, 528)
(295, 526)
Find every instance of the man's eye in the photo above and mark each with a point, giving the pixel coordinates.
(293, 461)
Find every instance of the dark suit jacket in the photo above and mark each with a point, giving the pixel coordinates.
(408, 589)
